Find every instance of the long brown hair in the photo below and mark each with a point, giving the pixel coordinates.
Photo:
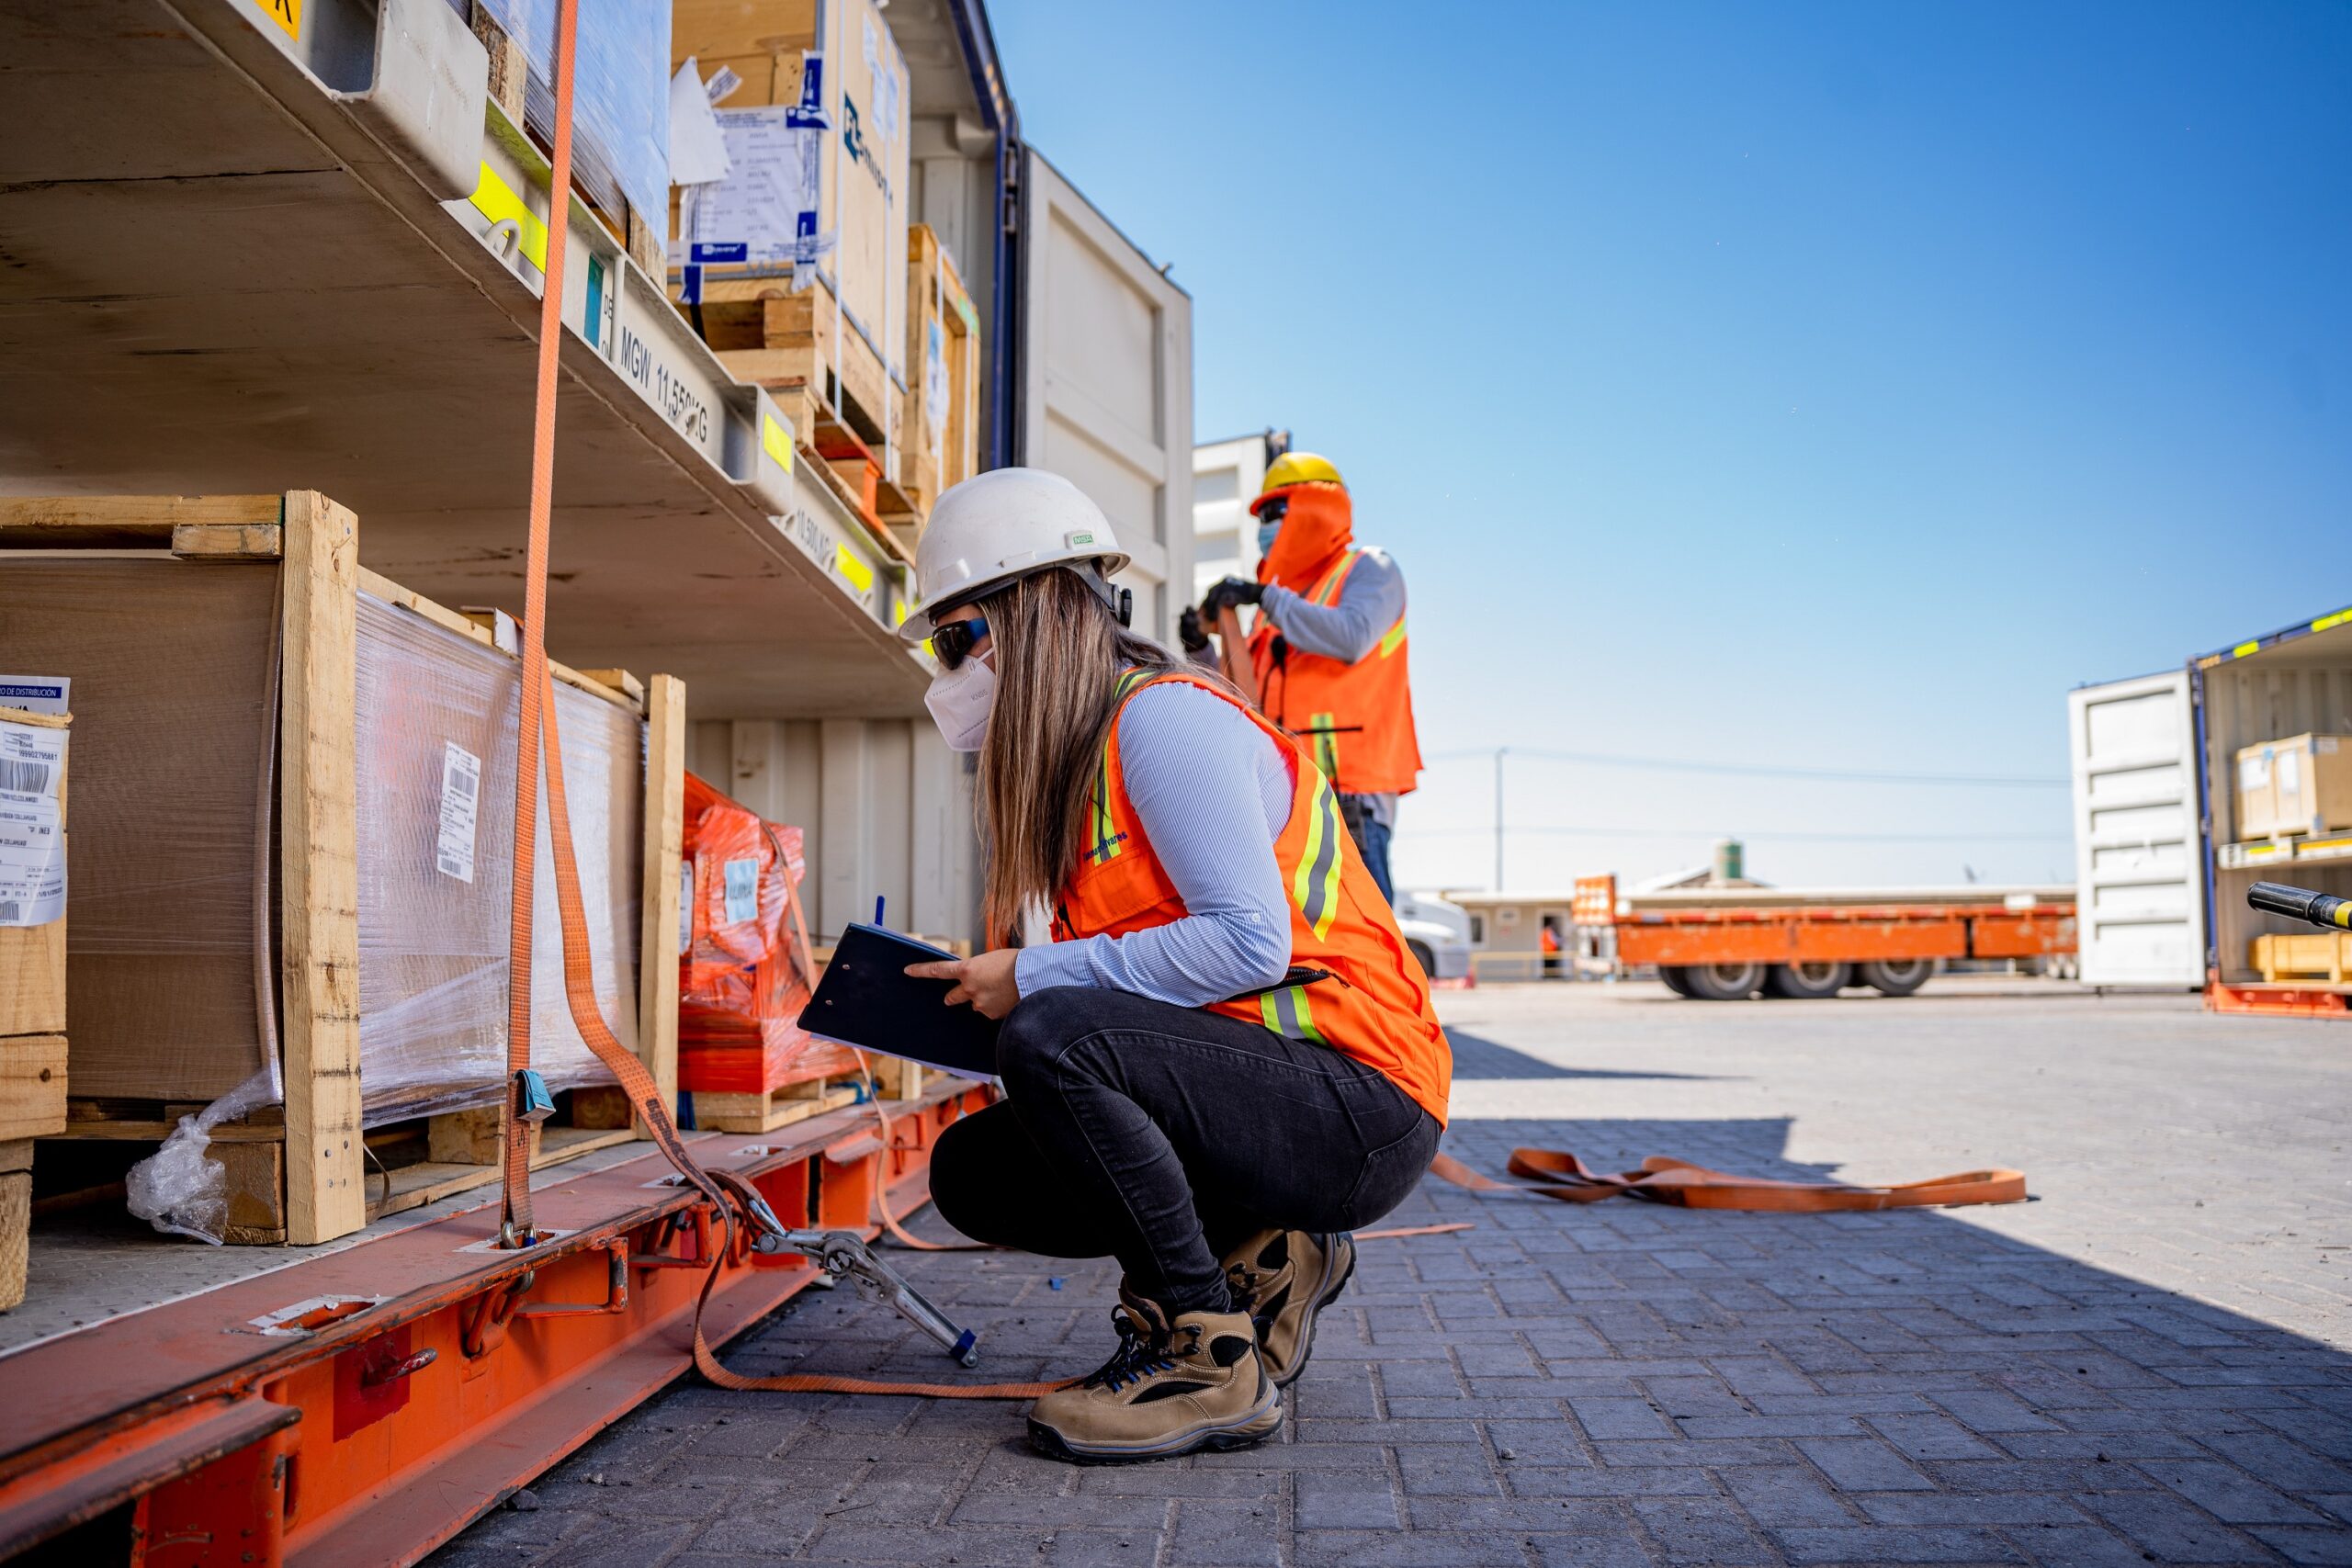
(1059, 652)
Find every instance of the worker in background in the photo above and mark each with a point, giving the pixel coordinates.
(1330, 647)
(1218, 1054)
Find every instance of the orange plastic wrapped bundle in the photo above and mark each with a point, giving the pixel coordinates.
(747, 971)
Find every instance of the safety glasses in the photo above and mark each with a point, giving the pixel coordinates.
(952, 642)
(1273, 511)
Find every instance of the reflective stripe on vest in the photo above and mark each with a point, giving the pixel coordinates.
(1371, 1001)
(1357, 719)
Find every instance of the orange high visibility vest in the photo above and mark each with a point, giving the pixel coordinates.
(1357, 719)
(1367, 998)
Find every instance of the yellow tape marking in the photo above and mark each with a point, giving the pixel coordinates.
(860, 575)
(776, 441)
(2329, 623)
(2242, 650)
(496, 201)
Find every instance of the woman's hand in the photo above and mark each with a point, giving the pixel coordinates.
(986, 982)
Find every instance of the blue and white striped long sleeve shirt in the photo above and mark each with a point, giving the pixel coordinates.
(1211, 795)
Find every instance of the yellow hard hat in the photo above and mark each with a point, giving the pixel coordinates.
(1301, 468)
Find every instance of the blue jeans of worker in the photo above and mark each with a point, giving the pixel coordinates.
(1372, 841)
(1166, 1136)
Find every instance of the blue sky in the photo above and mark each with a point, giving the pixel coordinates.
(1827, 385)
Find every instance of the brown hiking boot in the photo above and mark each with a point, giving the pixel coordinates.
(1169, 1388)
(1282, 1279)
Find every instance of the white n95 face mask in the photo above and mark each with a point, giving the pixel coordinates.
(960, 700)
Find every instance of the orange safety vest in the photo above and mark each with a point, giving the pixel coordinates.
(1357, 719)
(1366, 998)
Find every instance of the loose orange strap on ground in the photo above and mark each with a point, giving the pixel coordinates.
(1555, 1173)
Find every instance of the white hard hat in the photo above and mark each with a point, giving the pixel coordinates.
(1003, 525)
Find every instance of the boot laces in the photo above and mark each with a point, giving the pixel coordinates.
(1143, 1353)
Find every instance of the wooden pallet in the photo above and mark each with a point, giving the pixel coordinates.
(317, 1157)
(939, 439)
(2316, 955)
(827, 379)
(408, 1163)
(780, 1107)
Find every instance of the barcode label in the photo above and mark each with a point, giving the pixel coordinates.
(742, 891)
(685, 906)
(33, 828)
(460, 801)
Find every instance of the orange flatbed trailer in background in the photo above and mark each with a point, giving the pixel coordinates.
(1719, 944)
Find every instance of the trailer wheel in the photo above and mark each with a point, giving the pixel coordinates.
(1724, 982)
(1808, 981)
(1422, 955)
(1895, 976)
(1676, 980)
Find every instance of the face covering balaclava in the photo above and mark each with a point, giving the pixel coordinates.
(1316, 529)
(960, 700)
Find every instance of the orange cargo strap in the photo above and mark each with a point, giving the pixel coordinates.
(725, 1192)
(1555, 1173)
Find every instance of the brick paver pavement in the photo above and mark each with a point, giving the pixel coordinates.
(2144, 1366)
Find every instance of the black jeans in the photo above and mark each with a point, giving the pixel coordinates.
(1165, 1135)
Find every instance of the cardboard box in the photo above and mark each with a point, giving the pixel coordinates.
(2299, 786)
(819, 133)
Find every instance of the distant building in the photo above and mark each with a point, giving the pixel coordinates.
(1226, 477)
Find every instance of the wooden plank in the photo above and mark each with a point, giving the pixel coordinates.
(32, 979)
(15, 1236)
(257, 1191)
(32, 1086)
(720, 1113)
(603, 1109)
(228, 541)
(620, 681)
(469, 1137)
(429, 1181)
(96, 522)
(664, 824)
(318, 873)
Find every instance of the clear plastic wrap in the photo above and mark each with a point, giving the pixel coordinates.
(620, 94)
(174, 693)
(436, 752)
(742, 981)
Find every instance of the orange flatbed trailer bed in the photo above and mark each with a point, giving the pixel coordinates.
(363, 1406)
(1776, 930)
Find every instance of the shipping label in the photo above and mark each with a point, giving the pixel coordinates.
(460, 807)
(32, 829)
(742, 891)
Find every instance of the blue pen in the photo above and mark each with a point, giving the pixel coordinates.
(878, 911)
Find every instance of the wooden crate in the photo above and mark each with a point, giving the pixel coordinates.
(939, 442)
(2314, 955)
(832, 350)
(306, 1165)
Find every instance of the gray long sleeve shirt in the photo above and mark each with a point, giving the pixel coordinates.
(1371, 600)
(1213, 794)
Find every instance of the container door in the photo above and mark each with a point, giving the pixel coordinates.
(1107, 393)
(2138, 864)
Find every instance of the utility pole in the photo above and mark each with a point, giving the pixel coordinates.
(1500, 752)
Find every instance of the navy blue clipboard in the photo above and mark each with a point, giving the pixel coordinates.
(867, 999)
